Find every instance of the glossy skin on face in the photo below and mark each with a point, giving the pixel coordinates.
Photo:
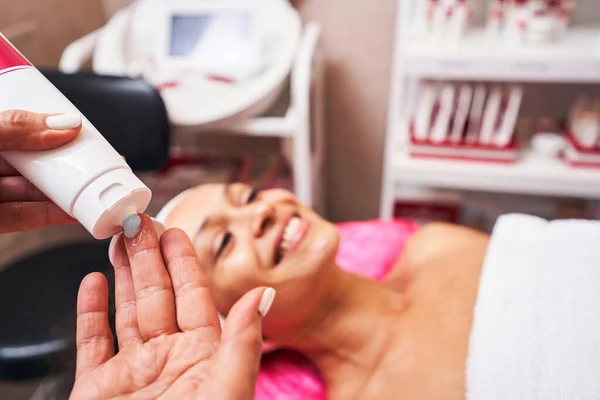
(237, 233)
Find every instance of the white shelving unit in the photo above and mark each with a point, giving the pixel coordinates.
(482, 57)
(479, 56)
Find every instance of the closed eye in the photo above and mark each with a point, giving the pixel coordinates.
(253, 195)
(224, 242)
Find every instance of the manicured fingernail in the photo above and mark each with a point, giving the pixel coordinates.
(158, 227)
(63, 121)
(266, 301)
(111, 248)
(131, 226)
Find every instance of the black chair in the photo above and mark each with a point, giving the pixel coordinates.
(38, 293)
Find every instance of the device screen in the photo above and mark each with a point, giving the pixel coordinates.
(209, 35)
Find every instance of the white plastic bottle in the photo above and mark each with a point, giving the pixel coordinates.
(86, 178)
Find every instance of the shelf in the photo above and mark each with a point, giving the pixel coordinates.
(266, 126)
(480, 56)
(530, 175)
(278, 121)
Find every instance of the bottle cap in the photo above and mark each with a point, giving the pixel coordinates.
(105, 203)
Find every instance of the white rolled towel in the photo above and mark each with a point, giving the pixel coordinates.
(536, 328)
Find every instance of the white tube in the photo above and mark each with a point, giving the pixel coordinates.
(86, 178)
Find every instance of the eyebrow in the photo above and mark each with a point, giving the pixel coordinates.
(209, 221)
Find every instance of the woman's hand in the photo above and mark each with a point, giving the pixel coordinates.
(22, 206)
(170, 340)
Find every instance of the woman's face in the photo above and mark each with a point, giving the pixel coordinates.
(246, 238)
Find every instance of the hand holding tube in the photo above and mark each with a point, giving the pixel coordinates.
(22, 206)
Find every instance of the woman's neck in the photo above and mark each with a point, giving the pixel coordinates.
(351, 327)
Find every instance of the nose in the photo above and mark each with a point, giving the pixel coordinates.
(254, 219)
(263, 218)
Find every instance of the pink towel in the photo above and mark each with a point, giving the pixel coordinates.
(368, 248)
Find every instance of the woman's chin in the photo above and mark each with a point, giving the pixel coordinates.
(313, 256)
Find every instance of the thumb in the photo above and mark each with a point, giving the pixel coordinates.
(239, 354)
(24, 130)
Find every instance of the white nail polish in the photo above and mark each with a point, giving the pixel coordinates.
(266, 301)
(111, 248)
(63, 121)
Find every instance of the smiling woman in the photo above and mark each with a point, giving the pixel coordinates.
(246, 237)
(360, 334)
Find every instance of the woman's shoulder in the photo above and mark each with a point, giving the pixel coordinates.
(434, 243)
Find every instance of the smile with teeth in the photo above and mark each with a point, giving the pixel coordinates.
(291, 235)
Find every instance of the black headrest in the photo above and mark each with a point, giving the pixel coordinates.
(128, 112)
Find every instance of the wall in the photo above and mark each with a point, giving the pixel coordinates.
(358, 41)
(42, 28)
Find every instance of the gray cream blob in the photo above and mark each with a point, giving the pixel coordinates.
(131, 226)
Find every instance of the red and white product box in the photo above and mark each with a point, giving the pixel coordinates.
(579, 156)
(474, 151)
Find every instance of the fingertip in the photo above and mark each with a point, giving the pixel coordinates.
(249, 310)
(266, 301)
(94, 280)
(115, 250)
(64, 121)
(175, 238)
(139, 232)
(92, 292)
(135, 225)
(173, 234)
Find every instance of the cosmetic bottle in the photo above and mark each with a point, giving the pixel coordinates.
(458, 20)
(476, 114)
(428, 97)
(564, 11)
(86, 178)
(517, 17)
(462, 113)
(441, 126)
(490, 115)
(508, 122)
(496, 17)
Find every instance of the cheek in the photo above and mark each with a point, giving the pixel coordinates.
(233, 278)
(325, 241)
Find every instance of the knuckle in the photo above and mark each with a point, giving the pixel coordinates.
(94, 340)
(16, 118)
(152, 291)
(188, 287)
